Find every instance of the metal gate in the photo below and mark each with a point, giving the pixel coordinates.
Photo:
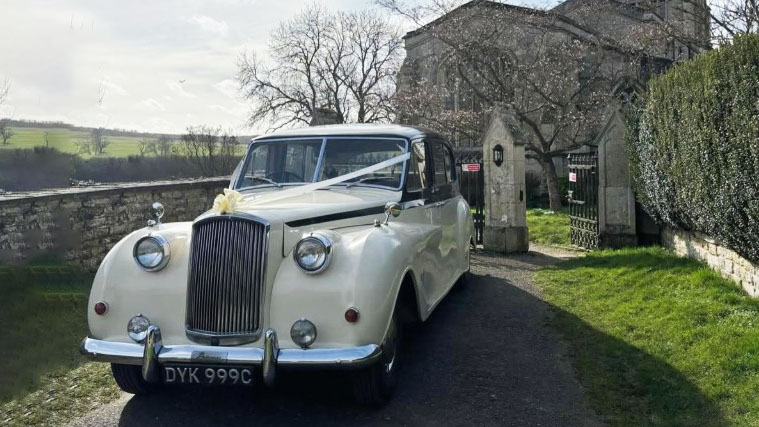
(472, 186)
(583, 199)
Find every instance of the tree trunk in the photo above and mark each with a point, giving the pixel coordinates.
(552, 181)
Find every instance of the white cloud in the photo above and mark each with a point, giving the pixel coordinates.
(208, 24)
(235, 110)
(229, 88)
(152, 103)
(139, 56)
(177, 87)
(6, 111)
(113, 87)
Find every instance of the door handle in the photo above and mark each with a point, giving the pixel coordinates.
(439, 204)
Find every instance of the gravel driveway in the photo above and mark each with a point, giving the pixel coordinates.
(485, 357)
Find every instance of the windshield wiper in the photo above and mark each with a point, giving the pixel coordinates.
(264, 179)
(368, 178)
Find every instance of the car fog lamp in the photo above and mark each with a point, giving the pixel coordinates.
(312, 253)
(138, 328)
(303, 332)
(152, 252)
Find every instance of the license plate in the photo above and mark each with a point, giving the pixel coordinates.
(209, 375)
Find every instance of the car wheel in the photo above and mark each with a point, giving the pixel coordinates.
(129, 378)
(374, 385)
(466, 275)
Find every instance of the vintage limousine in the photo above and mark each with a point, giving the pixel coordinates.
(328, 240)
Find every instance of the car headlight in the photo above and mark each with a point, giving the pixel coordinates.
(313, 252)
(152, 252)
(137, 328)
(303, 332)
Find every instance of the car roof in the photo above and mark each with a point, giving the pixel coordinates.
(360, 130)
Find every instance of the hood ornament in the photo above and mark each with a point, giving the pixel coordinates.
(156, 211)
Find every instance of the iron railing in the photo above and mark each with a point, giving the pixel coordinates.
(583, 200)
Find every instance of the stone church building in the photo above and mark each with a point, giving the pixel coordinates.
(649, 34)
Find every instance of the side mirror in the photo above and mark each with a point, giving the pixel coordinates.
(392, 209)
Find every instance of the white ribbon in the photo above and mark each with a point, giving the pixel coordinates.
(303, 189)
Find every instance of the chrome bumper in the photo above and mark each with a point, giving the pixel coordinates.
(153, 354)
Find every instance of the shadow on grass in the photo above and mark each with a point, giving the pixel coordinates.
(43, 313)
(456, 373)
(629, 387)
(655, 259)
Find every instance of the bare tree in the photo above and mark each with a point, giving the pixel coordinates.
(344, 62)
(95, 143)
(164, 145)
(147, 146)
(557, 81)
(212, 150)
(102, 91)
(6, 132)
(732, 17)
(5, 87)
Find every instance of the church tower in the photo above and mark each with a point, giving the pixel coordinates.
(690, 21)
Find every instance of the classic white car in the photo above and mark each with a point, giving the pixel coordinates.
(328, 240)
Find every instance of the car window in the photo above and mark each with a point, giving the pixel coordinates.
(417, 179)
(280, 163)
(301, 160)
(346, 155)
(450, 164)
(441, 177)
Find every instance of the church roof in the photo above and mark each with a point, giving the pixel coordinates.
(560, 14)
(472, 4)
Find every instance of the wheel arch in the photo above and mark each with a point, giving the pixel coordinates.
(409, 297)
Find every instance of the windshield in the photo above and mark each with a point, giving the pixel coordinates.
(300, 161)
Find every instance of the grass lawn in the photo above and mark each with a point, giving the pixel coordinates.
(44, 378)
(548, 227)
(656, 339)
(65, 140)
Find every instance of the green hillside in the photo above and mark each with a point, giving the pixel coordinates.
(65, 139)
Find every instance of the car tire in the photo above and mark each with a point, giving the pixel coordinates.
(129, 379)
(373, 386)
(466, 275)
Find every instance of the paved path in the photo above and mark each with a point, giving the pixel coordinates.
(485, 357)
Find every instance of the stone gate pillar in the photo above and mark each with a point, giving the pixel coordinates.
(616, 199)
(505, 196)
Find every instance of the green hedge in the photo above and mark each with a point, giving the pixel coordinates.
(694, 146)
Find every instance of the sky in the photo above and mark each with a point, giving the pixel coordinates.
(154, 66)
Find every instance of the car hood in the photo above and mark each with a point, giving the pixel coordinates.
(318, 205)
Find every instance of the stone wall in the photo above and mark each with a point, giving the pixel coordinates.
(80, 225)
(721, 259)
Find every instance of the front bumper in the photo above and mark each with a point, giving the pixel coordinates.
(153, 354)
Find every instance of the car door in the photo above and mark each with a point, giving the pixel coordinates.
(444, 215)
(419, 209)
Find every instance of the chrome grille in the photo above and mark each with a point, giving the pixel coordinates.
(226, 279)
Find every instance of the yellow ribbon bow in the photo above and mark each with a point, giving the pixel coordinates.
(227, 202)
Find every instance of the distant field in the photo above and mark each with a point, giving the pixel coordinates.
(65, 140)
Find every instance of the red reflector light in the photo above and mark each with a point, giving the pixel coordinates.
(351, 315)
(101, 308)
